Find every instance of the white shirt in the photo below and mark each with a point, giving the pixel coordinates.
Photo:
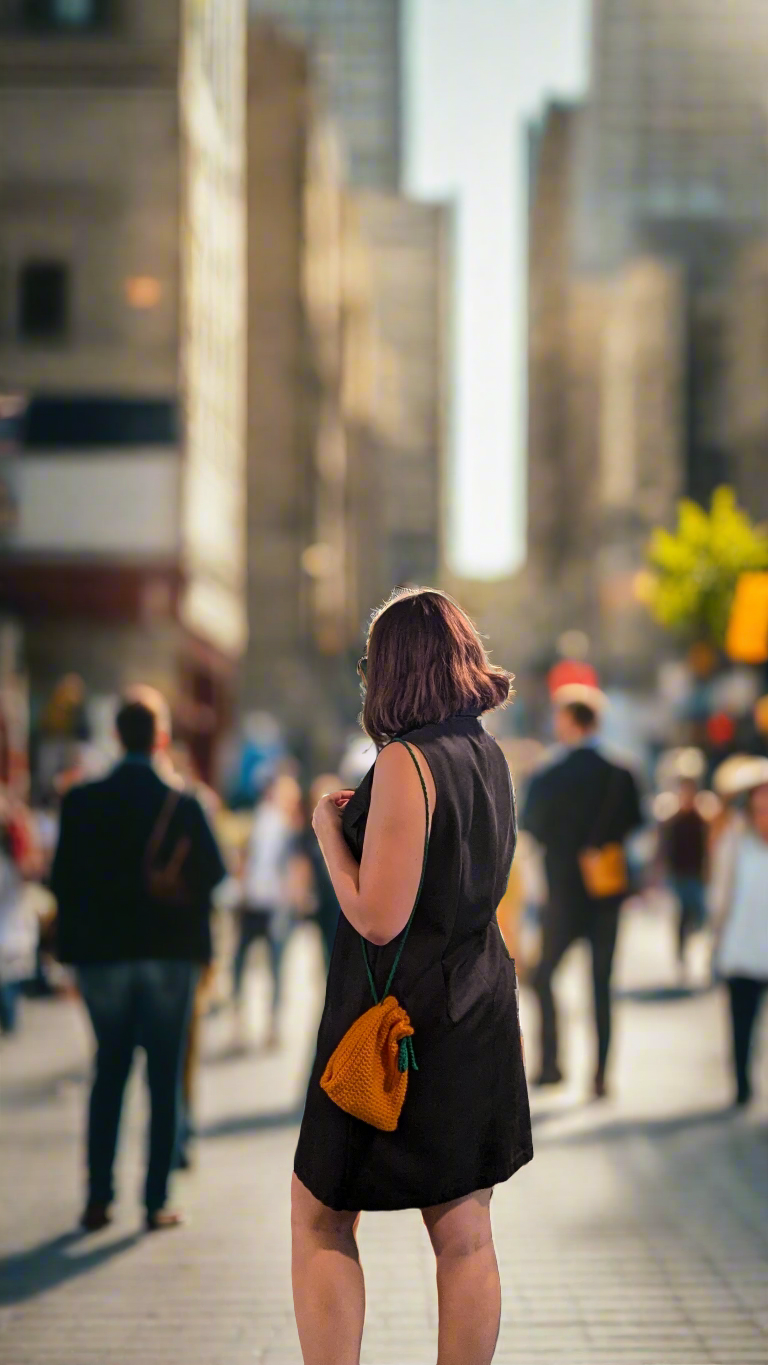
(269, 848)
(18, 926)
(740, 893)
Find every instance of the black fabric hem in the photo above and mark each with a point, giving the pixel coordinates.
(521, 1158)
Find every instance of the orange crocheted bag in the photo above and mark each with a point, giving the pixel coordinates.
(367, 1075)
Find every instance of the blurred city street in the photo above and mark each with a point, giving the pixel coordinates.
(411, 356)
(638, 1234)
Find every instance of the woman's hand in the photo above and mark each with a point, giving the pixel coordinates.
(377, 895)
(329, 810)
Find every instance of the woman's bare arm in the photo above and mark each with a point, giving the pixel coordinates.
(377, 895)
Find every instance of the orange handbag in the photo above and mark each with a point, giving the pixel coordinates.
(367, 1075)
(604, 866)
(604, 871)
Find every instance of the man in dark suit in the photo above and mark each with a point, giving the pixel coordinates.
(137, 949)
(580, 800)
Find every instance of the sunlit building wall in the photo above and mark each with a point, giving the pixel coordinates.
(122, 289)
(310, 396)
(212, 90)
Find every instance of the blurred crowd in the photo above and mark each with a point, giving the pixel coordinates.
(703, 848)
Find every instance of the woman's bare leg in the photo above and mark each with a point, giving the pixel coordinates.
(328, 1286)
(468, 1286)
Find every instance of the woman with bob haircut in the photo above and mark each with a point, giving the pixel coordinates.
(465, 1124)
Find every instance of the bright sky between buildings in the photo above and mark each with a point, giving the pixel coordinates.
(476, 71)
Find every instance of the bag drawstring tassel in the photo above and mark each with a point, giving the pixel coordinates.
(406, 1056)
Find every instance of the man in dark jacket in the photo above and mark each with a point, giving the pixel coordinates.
(137, 949)
(580, 801)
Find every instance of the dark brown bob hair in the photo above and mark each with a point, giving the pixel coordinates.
(426, 662)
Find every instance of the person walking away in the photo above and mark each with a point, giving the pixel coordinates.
(18, 922)
(178, 769)
(133, 874)
(327, 908)
(738, 899)
(419, 857)
(265, 913)
(581, 804)
(683, 842)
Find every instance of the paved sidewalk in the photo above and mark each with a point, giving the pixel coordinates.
(638, 1234)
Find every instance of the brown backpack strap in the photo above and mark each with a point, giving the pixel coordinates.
(161, 826)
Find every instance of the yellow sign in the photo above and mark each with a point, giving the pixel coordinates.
(747, 638)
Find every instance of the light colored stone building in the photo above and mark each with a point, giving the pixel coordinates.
(346, 328)
(121, 318)
(305, 309)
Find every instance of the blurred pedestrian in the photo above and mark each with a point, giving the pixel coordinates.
(268, 894)
(580, 808)
(683, 841)
(18, 923)
(419, 857)
(739, 904)
(179, 769)
(327, 908)
(133, 874)
(510, 914)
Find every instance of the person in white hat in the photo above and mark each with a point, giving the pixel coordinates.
(739, 906)
(581, 804)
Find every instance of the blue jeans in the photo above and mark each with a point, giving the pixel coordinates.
(136, 1004)
(9, 1004)
(257, 924)
(692, 908)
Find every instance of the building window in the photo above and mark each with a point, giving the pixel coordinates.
(43, 301)
(66, 16)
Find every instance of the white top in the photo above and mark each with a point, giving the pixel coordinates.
(269, 849)
(18, 926)
(739, 897)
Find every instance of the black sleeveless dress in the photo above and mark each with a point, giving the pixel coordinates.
(465, 1124)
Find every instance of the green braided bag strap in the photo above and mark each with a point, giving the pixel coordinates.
(406, 1046)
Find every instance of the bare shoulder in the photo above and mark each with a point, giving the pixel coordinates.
(396, 778)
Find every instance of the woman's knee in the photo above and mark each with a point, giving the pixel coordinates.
(461, 1228)
(310, 1217)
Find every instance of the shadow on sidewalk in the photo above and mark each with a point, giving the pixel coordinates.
(661, 995)
(51, 1264)
(253, 1123)
(23, 1093)
(715, 1122)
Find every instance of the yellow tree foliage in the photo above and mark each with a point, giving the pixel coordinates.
(694, 569)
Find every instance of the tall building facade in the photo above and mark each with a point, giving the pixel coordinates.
(345, 395)
(358, 46)
(747, 367)
(673, 161)
(649, 205)
(122, 236)
(672, 149)
(303, 304)
(409, 250)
